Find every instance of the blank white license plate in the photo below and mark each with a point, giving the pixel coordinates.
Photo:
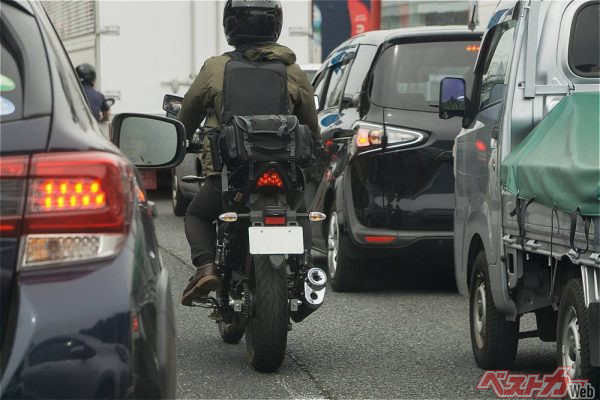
(276, 240)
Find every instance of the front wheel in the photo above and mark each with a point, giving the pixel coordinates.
(573, 335)
(267, 326)
(494, 339)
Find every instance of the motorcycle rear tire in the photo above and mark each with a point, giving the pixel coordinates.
(267, 326)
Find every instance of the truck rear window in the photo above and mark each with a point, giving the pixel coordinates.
(11, 89)
(407, 76)
(584, 51)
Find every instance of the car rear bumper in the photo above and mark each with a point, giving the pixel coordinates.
(89, 303)
(396, 242)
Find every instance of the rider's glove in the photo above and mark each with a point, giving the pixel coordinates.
(195, 144)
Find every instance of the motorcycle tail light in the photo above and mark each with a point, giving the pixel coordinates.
(275, 220)
(270, 178)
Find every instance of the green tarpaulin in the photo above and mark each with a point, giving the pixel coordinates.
(558, 163)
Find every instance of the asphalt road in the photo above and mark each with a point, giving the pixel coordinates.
(405, 336)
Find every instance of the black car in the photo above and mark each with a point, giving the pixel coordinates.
(85, 303)
(386, 177)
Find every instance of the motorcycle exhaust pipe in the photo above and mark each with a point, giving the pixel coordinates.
(314, 286)
(311, 291)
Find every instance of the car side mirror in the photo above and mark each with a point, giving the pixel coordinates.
(453, 101)
(149, 141)
(172, 104)
(81, 352)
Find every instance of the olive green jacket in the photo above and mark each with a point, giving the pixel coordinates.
(205, 96)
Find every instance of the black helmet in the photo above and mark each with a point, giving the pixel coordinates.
(252, 21)
(86, 73)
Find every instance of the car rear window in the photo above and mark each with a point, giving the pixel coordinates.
(11, 88)
(407, 76)
(584, 51)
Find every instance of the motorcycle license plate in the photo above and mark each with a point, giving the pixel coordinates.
(276, 240)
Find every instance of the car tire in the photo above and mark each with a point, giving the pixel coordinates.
(180, 202)
(267, 326)
(494, 340)
(346, 274)
(572, 328)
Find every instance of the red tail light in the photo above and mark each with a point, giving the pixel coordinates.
(275, 220)
(78, 207)
(270, 178)
(13, 179)
(78, 192)
(380, 239)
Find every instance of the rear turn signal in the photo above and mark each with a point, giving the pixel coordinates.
(79, 207)
(316, 216)
(270, 178)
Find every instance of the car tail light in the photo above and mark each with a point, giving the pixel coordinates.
(13, 181)
(270, 178)
(368, 135)
(380, 239)
(78, 207)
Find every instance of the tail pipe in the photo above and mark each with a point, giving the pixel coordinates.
(314, 286)
(312, 293)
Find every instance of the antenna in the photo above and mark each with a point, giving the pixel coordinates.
(474, 18)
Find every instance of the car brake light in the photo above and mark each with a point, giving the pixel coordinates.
(380, 239)
(270, 178)
(79, 207)
(275, 220)
(13, 179)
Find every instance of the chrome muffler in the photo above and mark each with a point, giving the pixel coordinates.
(314, 286)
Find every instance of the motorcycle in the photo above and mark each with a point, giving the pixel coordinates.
(267, 275)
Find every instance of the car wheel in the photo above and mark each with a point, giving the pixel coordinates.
(180, 202)
(494, 340)
(346, 274)
(573, 336)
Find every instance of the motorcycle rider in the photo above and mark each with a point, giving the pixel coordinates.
(97, 101)
(252, 27)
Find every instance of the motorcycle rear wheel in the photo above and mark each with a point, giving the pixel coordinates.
(267, 326)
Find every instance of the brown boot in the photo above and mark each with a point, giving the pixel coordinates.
(205, 280)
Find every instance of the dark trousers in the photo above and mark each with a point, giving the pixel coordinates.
(204, 209)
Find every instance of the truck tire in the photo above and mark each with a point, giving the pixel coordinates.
(267, 326)
(180, 202)
(346, 274)
(573, 327)
(494, 339)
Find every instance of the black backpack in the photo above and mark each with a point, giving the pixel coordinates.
(257, 126)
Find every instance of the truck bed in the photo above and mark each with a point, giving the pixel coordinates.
(538, 238)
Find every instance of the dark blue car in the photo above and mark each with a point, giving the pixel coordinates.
(86, 308)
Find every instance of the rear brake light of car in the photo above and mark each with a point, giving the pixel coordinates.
(379, 239)
(270, 178)
(79, 207)
(13, 181)
(368, 135)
